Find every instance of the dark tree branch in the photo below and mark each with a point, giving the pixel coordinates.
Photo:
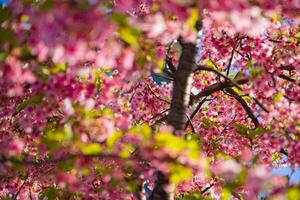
(282, 76)
(195, 111)
(230, 61)
(134, 91)
(279, 41)
(204, 68)
(170, 64)
(287, 68)
(191, 123)
(260, 104)
(18, 192)
(283, 151)
(232, 55)
(209, 90)
(244, 105)
(208, 188)
(159, 114)
(154, 93)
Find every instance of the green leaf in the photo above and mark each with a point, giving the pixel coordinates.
(2, 55)
(47, 5)
(194, 195)
(278, 96)
(207, 123)
(256, 132)
(111, 141)
(161, 63)
(226, 194)
(130, 35)
(127, 151)
(238, 76)
(25, 18)
(179, 173)
(59, 136)
(59, 68)
(93, 113)
(250, 63)
(193, 18)
(177, 144)
(91, 149)
(33, 101)
(170, 141)
(107, 112)
(244, 130)
(211, 64)
(293, 194)
(86, 171)
(120, 19)
(50, 194)
(6, 35)
(143, 130)
(4, 14)
(66, 165)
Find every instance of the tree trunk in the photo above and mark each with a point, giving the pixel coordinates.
(177, 115)
(182, 87)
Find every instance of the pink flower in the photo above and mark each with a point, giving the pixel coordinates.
(227, 169)
(127, 59)
(67, 107)
(15, 146)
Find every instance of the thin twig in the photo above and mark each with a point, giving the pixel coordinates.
(154, 93)
(207, 188)
(158, 114)
(192, 125)
(260, 104)
(134, 91)
(170, 64)
(287, 68)
(18, 192)
(230, 61)
(204, 68)
(195, 111)
(232, 55)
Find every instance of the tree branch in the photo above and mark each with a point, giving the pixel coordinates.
(287, 68)
(18, 192)
(204, 68)
(208, 188)
(191, 123)
(282, 76)
(195, 111)
(209, 90)
(154, 93)
(244, 105)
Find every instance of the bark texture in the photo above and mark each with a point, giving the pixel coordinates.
(182, 87)
(177, 115)
(159, 192)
